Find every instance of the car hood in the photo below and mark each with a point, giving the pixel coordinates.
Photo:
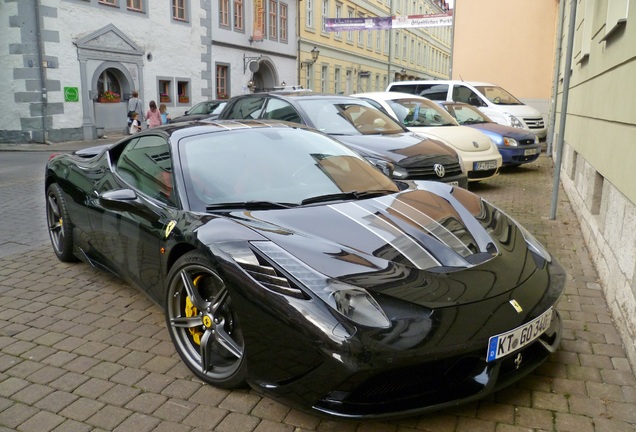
(519, 110)
(425, 246)
(396, 147)
(507, 131)
(462, 138)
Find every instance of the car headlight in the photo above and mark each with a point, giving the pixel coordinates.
(510, 142)
(352, 302)
(533, 244)
(399, 172)
(383, 165)
(514, 121)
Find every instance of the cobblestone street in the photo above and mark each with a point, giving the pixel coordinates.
(81, 350)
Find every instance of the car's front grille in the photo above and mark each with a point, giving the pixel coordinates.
(526, 142)
(534, 122)
(428, 172)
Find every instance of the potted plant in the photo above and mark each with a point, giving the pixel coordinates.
(184, 99)
(109, 96)
(163, 97)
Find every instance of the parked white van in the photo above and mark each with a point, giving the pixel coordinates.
(492, 100)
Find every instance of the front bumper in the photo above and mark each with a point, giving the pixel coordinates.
(517, 155)
(419, 366)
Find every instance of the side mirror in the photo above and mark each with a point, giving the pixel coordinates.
(125, 200)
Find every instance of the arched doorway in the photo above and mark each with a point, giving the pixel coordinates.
(266, 78)
(111, 84)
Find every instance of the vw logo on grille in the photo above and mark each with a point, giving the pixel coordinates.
(439, 170)
(476, 144)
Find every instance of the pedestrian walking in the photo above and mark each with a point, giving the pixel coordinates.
(135, 106)
(165, 115)
(153, 116)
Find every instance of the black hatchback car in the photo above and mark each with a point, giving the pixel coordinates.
(359, 125)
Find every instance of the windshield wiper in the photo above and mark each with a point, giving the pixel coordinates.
(248, 205)
(346, 196)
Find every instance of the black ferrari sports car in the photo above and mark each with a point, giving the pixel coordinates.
(285, 260)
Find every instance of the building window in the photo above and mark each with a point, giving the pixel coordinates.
(350, 33)
(109, 83)
(386, 41)
(336, 81)
(183, 91)
(338, 15)
(135, 5)
(224, 13)
(412, 51)
(378, 40)
(309, 77)
(109, 2)
(179, 11)
(222, 81)
(405, 44)
(309, 11)
(360, 33)
(273, 19)
(325, 15)
(283, 22)
(396, 48)
(323, 79)
(165, 91)
(238, 14)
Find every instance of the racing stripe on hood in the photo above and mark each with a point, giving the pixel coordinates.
(378, 225)
(421, 220)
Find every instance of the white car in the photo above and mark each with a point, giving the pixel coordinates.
(479, 154)
(492, 100)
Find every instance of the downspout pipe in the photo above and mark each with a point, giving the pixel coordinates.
(40, 65)
(555, 79)
(564, 109)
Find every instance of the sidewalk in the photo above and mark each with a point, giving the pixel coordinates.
(67, 146)
(80, 350)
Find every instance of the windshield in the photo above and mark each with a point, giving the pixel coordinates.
(207, 108)
(349, 118)
(498, 96)
(467, 115)
(273, 165)
(419, 112)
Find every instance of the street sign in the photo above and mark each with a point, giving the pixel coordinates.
(71, 94)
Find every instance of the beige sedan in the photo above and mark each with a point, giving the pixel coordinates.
(479, 154)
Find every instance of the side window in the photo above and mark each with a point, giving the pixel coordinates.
(434, 91)
(145, 163)
(466, 95)
(247, 108)
(280, 110)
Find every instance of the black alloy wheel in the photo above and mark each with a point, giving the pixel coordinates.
(202, 322)
(59, 224)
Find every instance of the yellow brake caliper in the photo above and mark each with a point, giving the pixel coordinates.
(192, 311)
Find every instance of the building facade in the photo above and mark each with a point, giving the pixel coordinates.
(367, 60)
(509, 43)
(598, 150)
(68, 67)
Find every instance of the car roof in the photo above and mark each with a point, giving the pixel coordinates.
(390, 96)
(473, 83)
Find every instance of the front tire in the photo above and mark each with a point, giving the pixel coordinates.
(59, 223)
(202, 322)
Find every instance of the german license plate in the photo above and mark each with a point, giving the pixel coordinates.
(485, 165)
(503, 344)
(530, 152)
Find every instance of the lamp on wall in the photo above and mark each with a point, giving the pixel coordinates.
(315, 52)
(251, 85)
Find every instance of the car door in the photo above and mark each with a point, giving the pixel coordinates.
(131, 240)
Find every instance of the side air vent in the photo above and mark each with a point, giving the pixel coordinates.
(271, 279)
